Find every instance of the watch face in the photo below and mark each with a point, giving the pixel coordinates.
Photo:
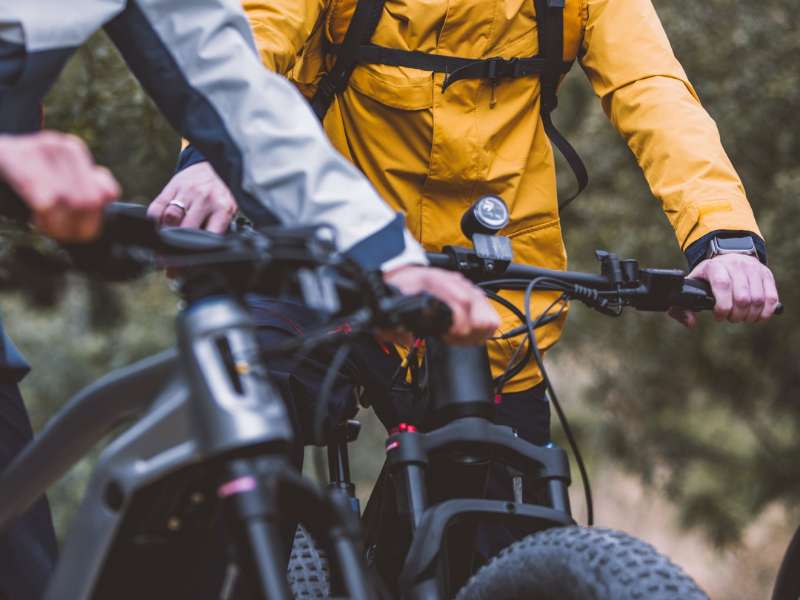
(492, 212)
(737, 244)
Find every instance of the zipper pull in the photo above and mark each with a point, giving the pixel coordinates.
(493, 98)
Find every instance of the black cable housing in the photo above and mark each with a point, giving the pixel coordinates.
(556, 404)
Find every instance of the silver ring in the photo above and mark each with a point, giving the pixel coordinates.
(177, 203)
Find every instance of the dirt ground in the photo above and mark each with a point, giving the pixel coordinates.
(744, 573)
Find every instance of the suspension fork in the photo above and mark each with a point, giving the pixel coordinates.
(253, 516)
(407, 460)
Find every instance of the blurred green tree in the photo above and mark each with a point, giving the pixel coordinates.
(94, 327)
(709, 415)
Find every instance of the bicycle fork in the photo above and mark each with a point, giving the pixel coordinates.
(253, 518)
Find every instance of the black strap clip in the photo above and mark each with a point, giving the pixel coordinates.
(492, 67)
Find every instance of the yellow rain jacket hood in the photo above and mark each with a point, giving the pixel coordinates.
(431, 154)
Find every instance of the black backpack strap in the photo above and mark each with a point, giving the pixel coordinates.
(455, 67)
(362, 26)
(550, 24)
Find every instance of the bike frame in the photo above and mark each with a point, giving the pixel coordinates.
(460, 420)
(208, 403)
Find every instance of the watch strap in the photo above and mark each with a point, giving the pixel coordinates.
(698, 250)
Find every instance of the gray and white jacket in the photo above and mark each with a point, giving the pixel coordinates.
(197, 60)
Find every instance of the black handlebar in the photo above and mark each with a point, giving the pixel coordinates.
(643, 289)
(520, 271)
(300, 261)
(130, 242)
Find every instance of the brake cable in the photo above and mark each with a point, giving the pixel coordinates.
(326, 389)
(514, 366)
(562, 417)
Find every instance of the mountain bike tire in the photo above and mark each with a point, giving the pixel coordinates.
(578, 563)
(309, 570)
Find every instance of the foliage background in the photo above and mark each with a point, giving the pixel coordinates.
(701, 427)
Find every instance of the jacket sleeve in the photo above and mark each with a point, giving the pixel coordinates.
(647, 96)
(201, 68)
(281, 28)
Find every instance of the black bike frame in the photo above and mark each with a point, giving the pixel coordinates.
(461, 429)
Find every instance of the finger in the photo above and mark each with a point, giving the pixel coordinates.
(459, 329)
(39, 194)
(756, 285)
(721, 285)
(485, 319)
(95, 186)
(175, 212)
(196, 214)
(77, 150)
(219, 220)
(472, 303)
(107, 183)
(685, 317)
(172, 216)
(73, 167)
(88, 225)
(58, 223)
(159, 205)
(741, 296)
(770, 296)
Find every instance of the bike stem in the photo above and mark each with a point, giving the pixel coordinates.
(460, 382)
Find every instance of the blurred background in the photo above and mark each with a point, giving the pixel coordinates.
(692, 438)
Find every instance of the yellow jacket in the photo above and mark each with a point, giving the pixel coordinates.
(431, 154)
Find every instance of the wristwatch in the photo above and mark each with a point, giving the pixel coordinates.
(731, 245)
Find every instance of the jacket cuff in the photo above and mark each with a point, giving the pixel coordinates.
(697, 251)
(389, 247)
(414, 254)
(13, 366)
(189, 156)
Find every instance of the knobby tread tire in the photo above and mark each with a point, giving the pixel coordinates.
(579, 563)
(309, 571)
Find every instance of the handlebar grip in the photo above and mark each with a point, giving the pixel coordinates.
(696, 295)
(422, 314)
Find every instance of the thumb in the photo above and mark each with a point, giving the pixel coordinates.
(700, 271)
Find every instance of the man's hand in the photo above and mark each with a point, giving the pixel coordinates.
(744, 289)
(474, 320)
(197, 198)
(57, 178)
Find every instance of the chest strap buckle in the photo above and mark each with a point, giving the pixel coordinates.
(496, 68)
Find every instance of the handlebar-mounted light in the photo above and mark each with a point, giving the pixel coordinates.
(480, 224)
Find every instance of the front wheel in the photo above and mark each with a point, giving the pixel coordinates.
(578, 563)
(308, 571)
